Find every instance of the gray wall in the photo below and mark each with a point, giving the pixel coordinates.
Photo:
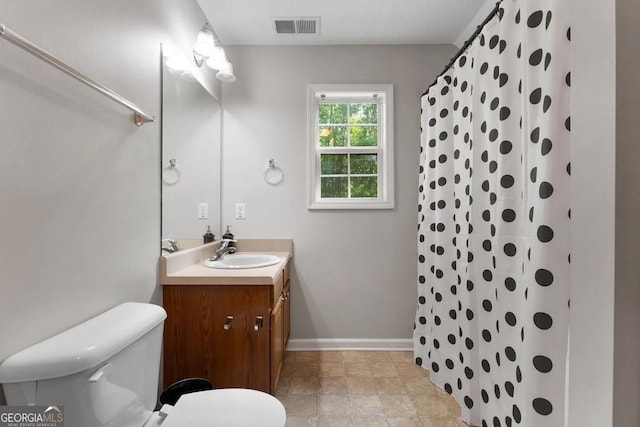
(79, 182)
(355, 271)
(626, 403)
(593, 214)
(605, 300)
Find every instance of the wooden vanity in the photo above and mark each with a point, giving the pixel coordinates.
(229, 326)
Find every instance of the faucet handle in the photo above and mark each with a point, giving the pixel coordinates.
(173, 244)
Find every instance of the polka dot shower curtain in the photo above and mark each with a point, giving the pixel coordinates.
(492, 319)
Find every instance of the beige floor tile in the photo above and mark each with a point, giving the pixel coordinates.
(283, 386)
(452, 406)
(365, 405)
(301, 405)
(361, 386)
(306, 356)
(377, 356)
(431, 407)
(305, 369)
(404, 422)
(287, 369)
(297, 421)
(333, 385)
(397, 405)
(410, 370)
(330, 356)
(421, 387)
(401, 356)
(337, 421)
(354, 356)
(442, 422)
(302, 385)
(334, 405)
(369, 421)
(383, 370)
(358, 369)
(390, 386)
(331, 369)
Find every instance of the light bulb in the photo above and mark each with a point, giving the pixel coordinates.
(217, 59)
(226, 73)
(205, 43)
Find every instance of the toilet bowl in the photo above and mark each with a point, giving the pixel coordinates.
(104, 372)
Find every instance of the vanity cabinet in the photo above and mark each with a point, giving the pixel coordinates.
(233, 335)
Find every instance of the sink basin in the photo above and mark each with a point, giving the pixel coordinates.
(246, 260)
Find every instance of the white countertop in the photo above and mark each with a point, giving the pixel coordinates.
(185, 267)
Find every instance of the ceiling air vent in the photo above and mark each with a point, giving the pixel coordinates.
(297, 25)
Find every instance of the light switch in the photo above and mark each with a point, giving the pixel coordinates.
(203, 210)
(240, 211)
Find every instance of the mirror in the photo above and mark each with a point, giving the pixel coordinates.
(191, 151)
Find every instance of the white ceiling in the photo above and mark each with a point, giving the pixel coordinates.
(342, 21)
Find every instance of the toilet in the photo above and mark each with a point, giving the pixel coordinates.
(105, 373)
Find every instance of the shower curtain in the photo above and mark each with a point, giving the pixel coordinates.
(492, 317)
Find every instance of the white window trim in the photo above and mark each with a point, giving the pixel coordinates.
(385, 198)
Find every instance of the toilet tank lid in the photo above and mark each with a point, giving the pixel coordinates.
(84, 346)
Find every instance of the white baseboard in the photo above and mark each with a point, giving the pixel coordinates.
(327, 344)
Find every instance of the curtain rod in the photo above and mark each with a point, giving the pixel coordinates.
(494, 12)
(139, 117)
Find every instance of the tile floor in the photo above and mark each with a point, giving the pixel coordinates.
(362, 388)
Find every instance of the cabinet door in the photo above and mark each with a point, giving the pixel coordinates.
(187, 332)
(240, 337)
(277, 342)
(287, 312)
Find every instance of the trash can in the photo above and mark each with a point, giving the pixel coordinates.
(189, 385)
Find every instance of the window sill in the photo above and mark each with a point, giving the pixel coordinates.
(351, 204)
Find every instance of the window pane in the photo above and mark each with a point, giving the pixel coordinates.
(364, 163)
(332, 113)
(333, 187)
(333, 136)
(364, 136)
(333, 164)
(363, 113)
(364, 186)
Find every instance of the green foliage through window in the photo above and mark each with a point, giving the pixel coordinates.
(360, 130)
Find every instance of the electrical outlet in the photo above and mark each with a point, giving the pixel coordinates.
(203, 210)
(240, 211)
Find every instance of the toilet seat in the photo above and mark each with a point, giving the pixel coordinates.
(231, 407)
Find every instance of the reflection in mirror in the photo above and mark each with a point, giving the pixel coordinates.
(191, 140)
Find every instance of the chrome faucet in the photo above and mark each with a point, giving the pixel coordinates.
(173, 245)
(223, 249)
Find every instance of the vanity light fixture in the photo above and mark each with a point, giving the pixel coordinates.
(207, 50)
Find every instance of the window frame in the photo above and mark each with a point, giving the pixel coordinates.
(351, 94)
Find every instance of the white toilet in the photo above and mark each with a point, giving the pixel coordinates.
(105, 373)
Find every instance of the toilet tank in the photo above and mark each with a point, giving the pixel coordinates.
(103, 371)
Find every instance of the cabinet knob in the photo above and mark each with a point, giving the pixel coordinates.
(259, 323)
(227, 325)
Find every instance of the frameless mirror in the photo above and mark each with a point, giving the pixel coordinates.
(191, 143)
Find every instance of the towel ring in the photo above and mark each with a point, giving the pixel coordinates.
(273, 174)
(171, 174)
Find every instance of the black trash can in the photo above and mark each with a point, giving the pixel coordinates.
(189, 385)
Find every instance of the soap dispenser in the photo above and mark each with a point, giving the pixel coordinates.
(208, 236)
(227, 234)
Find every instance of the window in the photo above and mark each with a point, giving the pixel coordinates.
(350, 147)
